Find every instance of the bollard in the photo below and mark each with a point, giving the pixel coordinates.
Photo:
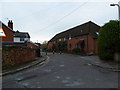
(53, 52)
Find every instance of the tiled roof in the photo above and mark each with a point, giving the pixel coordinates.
(83, 29)
(7, 27)
(21, 34)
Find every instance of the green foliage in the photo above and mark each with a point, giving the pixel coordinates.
(109, 40)
(90, 53)
(44, 47)
(76, 50)
(60, 46)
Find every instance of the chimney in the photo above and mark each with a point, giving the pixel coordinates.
(10, 24)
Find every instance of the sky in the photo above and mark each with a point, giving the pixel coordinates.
(43, 19)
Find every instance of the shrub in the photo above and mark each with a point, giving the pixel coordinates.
(90, 53)
(60, 46)
(76, 50)
(109, 40)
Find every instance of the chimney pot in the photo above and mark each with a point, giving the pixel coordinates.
(10, 24)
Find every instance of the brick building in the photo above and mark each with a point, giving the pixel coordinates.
(83, 36)
(8, 30)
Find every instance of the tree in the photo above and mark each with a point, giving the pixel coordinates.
(44, 46)
(109, 40)
(45, 42)
(60, 46)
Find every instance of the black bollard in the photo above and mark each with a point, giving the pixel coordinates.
(53, 52)
(60, 52)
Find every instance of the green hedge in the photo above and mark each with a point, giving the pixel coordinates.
(109, 40)
(76, 50)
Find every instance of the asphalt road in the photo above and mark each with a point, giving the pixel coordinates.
(63, 71)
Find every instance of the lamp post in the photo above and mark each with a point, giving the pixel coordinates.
(118, 9)
(117, 54)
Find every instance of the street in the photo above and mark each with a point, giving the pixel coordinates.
(63, 71)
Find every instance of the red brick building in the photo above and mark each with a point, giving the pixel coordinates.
(83, 36)
(8, 30)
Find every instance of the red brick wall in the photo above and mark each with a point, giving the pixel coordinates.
(74, 41)
(32, 45)
(90, 43)
(9, 33)
(96, 49)
(17, 54)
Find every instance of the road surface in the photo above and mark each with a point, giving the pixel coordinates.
(63, 71)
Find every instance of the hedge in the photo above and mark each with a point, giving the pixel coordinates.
(109, 40)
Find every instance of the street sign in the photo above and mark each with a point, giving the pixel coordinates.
(2, 34)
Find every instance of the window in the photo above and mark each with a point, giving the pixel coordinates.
(21, 39)
(77, 45)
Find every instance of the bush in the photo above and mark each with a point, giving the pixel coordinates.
(90, 53)
(76, 50)
(60, 46)
(108, 40)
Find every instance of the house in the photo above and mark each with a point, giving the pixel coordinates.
(8, 30)
(13, 36)
(21, 36)
(83, 37)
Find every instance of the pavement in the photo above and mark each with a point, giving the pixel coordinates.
(40, 61)
(114, 66)
(97, 62)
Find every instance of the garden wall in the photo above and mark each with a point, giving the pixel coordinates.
(14, 55)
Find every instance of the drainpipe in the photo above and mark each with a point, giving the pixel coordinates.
(94, 46)
(87, 43)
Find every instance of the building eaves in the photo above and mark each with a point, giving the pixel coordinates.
(22, 34)
(73, 32)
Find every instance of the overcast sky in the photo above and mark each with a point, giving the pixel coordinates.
(45, 19)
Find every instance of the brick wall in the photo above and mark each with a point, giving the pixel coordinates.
(14, 55)
(90, 43)
(75, 40)
(32, 45)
